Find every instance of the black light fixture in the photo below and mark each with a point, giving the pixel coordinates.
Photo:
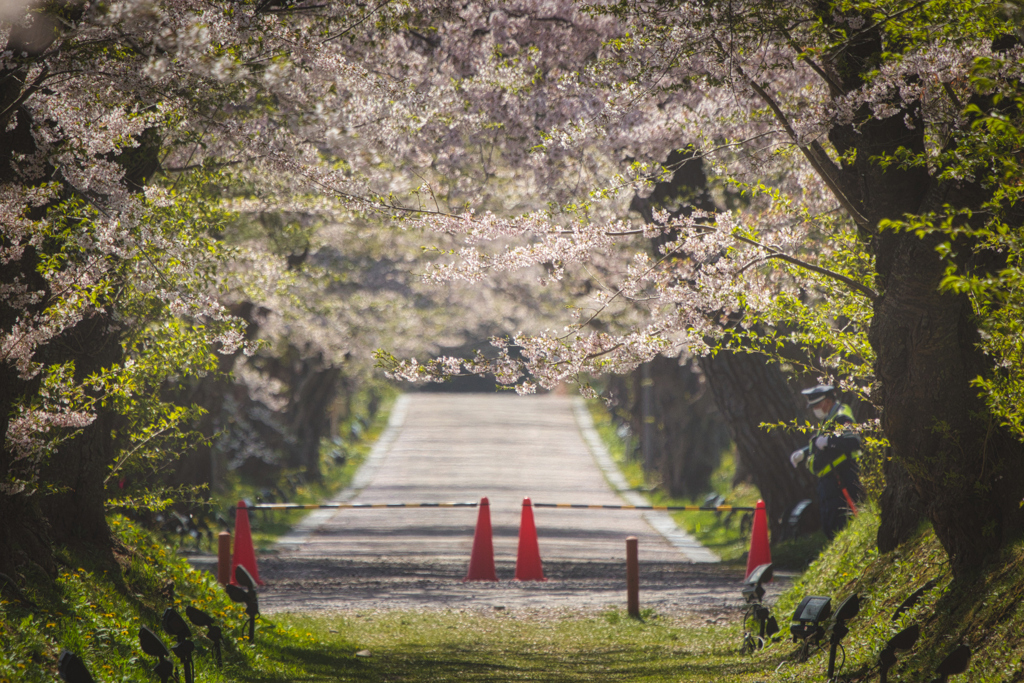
(913, 599)
(796, 516)
(810, 613)
(904, 640)
(955, 663)
(154, 647)
(72, 669)
(753, 592)
(246, 595)
(213, 631)
(176, 626)
(848, 609)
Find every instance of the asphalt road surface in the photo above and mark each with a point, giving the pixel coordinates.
(461, 447)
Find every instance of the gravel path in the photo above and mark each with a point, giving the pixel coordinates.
(444, 447)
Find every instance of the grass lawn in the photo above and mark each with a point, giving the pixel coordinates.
(501, 646)
(96, 611)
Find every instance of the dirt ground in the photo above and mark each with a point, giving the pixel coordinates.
(697, 593)
(461, 448)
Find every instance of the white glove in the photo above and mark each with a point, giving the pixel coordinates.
(821, 442)
(797, 457)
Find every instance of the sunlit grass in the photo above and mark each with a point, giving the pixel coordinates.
(505, 646)
(96, 610)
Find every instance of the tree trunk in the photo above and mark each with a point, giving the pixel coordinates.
(308, 412)
(750, 390)
(901, 508)
(686, 432)
(75, 510)
(70, 511)
(689, 434)
(967, 471)
(965, 468)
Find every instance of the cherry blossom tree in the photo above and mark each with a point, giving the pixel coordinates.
(851, 131)
(136, 136)
(861, 161)
(119, 121)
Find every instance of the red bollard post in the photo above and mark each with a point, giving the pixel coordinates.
(224, 558)
(632, 578)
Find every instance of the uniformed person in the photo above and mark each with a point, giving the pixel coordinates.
(832, 458)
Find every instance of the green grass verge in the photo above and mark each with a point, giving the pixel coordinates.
(97, 612)
(984, 611)
(719, 532)
(268, 526)
(501, 646)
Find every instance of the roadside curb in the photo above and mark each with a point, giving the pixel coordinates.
(661, 522)
(300, 533)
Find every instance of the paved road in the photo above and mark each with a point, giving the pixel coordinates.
(460, 447)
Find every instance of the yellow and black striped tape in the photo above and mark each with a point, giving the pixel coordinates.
(687, 508)
(578, 506)
(333, 506)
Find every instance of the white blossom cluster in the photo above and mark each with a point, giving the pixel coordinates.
(757, 107)
(518, 131)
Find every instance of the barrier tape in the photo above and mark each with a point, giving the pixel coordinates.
(578, 506)
(333, 506)
(687, 508)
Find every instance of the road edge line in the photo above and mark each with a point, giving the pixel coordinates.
(660, 521)
(300, 533)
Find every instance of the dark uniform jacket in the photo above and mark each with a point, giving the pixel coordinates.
(838, 458)
(835, 465)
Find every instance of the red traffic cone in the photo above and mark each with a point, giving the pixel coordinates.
(528, 566)
(481, 560)
(759, 553)
(245, 554)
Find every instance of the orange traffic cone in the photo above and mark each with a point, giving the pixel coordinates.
(481, 560)
(245, 554)
(759, 553)
(528, 566)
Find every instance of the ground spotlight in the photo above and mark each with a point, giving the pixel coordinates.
(72, 669)
(913, 599)
(847, 610)
(753, 592)
(246, 595)
(954, 663)
(213, 631)
(176, 626)
(810, 613)
(904, 640)
(154, 647)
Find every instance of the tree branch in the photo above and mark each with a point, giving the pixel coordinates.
(776, 254)
(356, 24)
(833, 87)
(814, 153)
(6, 114)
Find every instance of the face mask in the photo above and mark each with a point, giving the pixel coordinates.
(819, 413)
